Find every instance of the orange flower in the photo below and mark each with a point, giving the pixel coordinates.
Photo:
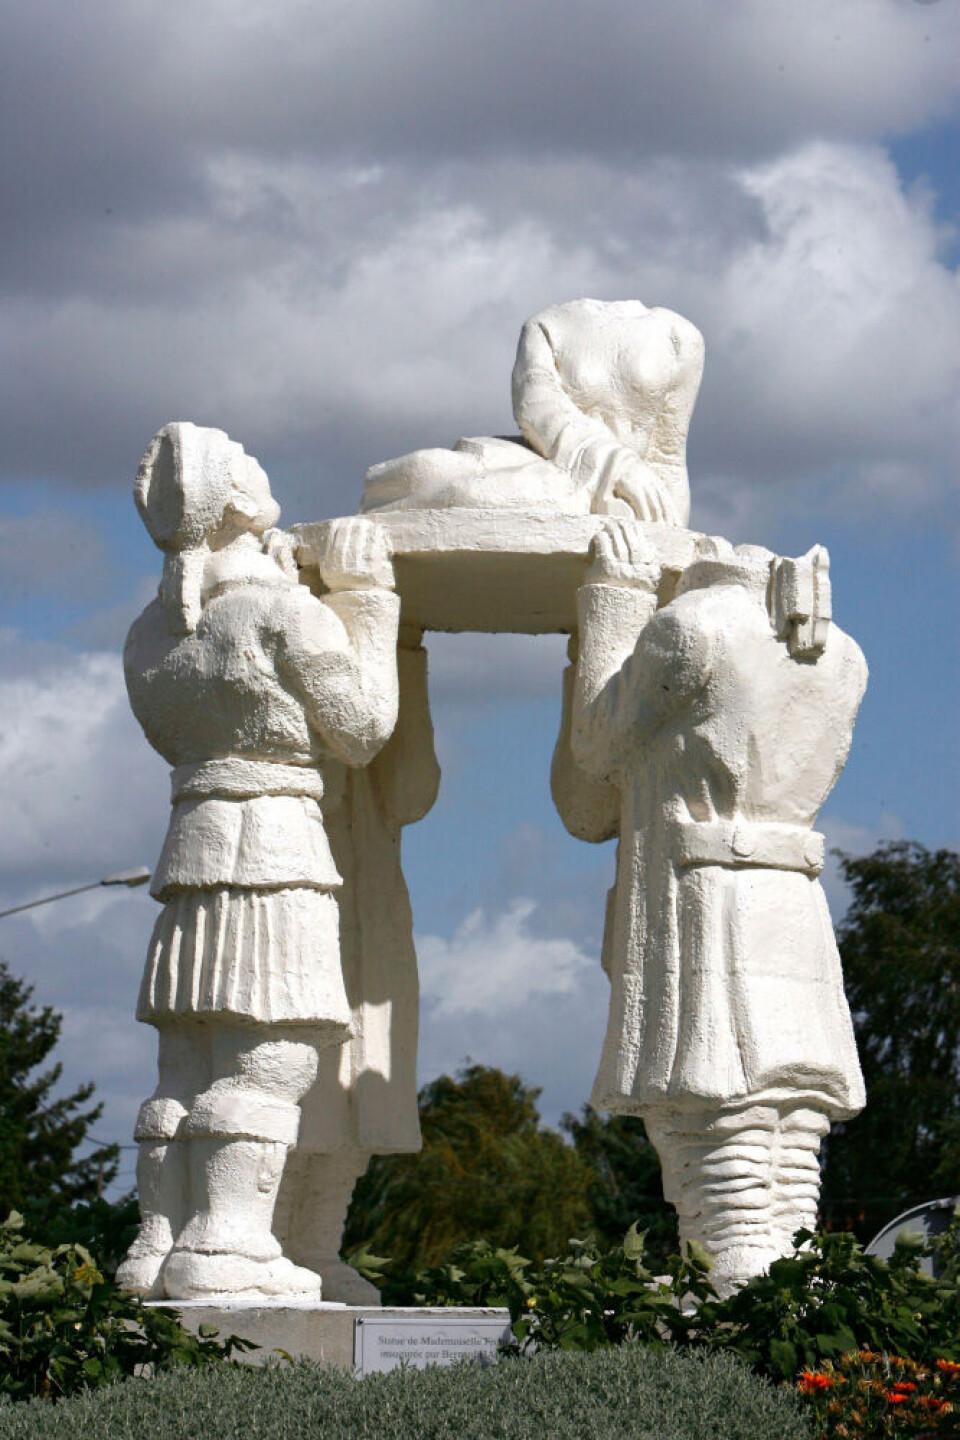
(931, 1402)
(896, 1397)
(905, 1385)
(949, 1367)
(812, 1381)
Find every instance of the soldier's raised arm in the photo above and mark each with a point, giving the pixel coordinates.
(341, 652)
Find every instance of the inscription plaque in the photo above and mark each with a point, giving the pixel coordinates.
(383, 1343)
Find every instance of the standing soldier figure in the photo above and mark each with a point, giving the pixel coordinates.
(249, 686)
(723, 720)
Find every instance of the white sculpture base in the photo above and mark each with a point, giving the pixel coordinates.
(327, 1332)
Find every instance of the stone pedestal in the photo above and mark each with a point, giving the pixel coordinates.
(328, 1332)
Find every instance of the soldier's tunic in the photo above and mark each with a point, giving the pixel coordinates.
(725, 974)
(249, 709)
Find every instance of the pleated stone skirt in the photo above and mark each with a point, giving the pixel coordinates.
(270, 956)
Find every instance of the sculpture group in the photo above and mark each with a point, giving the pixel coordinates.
(706, 713)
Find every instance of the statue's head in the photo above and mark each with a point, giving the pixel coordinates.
(195, 488)
(194, 481)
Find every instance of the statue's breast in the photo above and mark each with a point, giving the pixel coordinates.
(621, 370)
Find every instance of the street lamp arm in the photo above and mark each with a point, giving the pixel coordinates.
(130, 878)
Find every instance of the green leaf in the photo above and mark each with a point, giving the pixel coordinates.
(635, 1242)
(784, 1359)
(698, 1256)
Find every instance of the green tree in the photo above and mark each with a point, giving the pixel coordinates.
(900, 946)
(487, 1171)
(625, 1185)
(40, 1131)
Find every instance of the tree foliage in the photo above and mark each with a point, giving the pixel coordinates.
(40, 1131)
(486, 1171)
(625, 1185)
(900, 946)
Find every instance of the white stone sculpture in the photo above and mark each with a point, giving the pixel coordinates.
(603, 393)
(251, 688)
(722, 721)
(708, 710)
(364, 1100)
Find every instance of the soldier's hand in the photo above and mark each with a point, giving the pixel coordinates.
(621, 554)
(356, 556)
(281, 547)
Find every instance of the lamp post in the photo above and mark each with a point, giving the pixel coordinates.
(129, 878)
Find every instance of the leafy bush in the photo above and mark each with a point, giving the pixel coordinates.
(64, 1328)
(587, 1299)
(106, 1228)
(628, 1394)
(826, 1299)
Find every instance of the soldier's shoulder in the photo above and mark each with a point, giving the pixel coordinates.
(844, 652)
(147, 633)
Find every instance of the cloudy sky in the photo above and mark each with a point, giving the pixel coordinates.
(319, 226)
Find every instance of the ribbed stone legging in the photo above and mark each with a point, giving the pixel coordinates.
(743, 1181)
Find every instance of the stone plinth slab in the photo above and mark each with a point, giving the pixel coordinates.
(327, 1332)
(492, 570)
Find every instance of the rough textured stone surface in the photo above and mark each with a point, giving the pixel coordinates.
(722, 718)
(251, 687)
(496, 571)
(707, 711)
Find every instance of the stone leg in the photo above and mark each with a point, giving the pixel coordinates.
(162, 1178)
(742, 1181)
(315, 1196)
(796, 1171)
(238, 1133)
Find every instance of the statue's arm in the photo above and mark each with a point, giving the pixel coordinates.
(341, 650)
(581, 445)
(604, 694)
(588, 807)
(635, 674)
(407, 770)
(637, 665)
(550, 421)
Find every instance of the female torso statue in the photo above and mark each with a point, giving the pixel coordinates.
(603, 392)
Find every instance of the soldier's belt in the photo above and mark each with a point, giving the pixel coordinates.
(738, 843)
(235, 778)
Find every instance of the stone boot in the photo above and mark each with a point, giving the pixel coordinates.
(162, 1182)
(315, 1197)
(228, 1245)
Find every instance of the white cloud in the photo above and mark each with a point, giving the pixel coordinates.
(493, 964)
(329, 339)
(500, 992)
(837, 331)
(83, 794)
